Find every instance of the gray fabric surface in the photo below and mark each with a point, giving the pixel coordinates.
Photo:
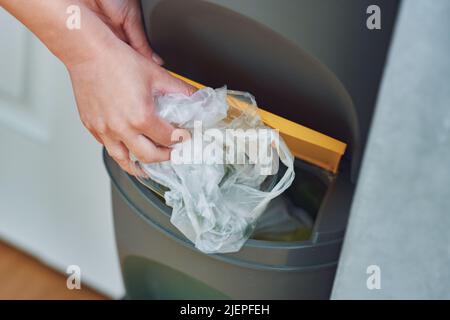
(400, 218)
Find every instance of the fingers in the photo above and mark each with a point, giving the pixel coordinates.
(143, 149)
(158, 130)
(152, 126)
(165, 83)
(146, 151)
(140, 146)
(133, 27)
(94, 134)
(119, 152)
(180, 135)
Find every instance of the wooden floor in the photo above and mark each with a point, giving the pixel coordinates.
(23, 277)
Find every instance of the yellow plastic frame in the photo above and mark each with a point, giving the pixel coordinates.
(306, 144)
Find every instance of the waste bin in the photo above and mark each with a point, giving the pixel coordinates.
(243, 46)
(159, 262)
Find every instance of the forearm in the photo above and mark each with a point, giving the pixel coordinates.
(47, 20)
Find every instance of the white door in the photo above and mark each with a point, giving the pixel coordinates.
(54, 191)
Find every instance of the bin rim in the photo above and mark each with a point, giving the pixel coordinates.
(150, 196)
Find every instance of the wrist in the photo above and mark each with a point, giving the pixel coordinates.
(90, 41)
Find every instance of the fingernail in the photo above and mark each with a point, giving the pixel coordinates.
(157, 59)
(180, 135)
(192, 90)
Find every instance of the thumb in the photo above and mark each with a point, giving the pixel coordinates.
(167, 83)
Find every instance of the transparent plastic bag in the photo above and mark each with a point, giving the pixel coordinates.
(216, 201)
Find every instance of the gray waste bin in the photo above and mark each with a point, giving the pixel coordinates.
(159, 262)
(249, 48)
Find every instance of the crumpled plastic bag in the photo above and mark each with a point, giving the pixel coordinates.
(216, 205)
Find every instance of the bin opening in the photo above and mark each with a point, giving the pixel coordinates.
(291, 216)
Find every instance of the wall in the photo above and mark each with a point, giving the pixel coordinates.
(400, 216)
(54, 191)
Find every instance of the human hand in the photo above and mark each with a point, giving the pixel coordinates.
(124, 19)
(115, 90)
(115, 75)
(115, 98)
